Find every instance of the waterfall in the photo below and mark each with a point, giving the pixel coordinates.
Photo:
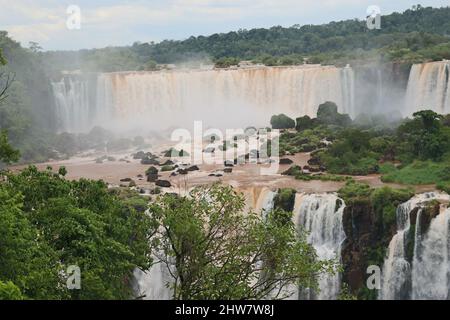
(430, 267)
(152, 284)
(396, 270)
(242, 97)
(429, 87)
(221, 98)
(265, 201)
(72, 104)
(321, 216)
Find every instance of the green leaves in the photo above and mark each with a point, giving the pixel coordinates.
(218, 251)
(7, 153)
(48, 223)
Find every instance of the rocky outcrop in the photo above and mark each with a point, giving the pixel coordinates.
(163, 183)
(286, 161)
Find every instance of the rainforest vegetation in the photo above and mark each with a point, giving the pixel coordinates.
(408, 151)
(418, 34)
(49, 223)
(27, 111)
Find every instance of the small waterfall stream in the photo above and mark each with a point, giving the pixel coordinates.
(428, 275)
(321, 216)
(431, 264)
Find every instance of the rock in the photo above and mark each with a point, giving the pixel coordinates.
(167, 163)
(151, 170)
(157, 190)
(307, 148)
(431, 211)
(152, 177)
(193, 168)
(314, 169)
(163, 183)
(314, 161)
(292, 171)
(139, 155)
(229, 163)
(286, 161)
(228, 170)
(182, 171)
(150, 161)
(111, 159)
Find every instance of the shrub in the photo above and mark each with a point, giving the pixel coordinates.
(282, 121)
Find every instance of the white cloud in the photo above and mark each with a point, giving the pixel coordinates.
(115, 22)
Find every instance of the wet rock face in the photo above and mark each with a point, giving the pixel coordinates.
(358, 225)
(431, 211)
(365, 243)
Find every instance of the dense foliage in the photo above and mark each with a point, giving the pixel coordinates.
(410, 151)
(217, 251)
(48, 224)
(282, 121)
(417, 34)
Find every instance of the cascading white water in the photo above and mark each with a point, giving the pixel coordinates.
(221, 98)
(430, 265)
(319, 215)
(72, 104)
(234, 98)
(429, 87)
(396, 270)
(265, 202)
(152, 284)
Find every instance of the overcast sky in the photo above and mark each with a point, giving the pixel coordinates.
(115, 22)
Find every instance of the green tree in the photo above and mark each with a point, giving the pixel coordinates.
(9, 291)
(214, 250)
(7, 153)
(48, 223)
(282, 121)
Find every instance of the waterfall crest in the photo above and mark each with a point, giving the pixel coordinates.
(321, 216)
(175, 98)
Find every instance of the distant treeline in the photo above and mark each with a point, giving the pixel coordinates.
(418, 34)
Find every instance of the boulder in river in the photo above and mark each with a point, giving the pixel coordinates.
(163, 183)
(150, 161)
(286, 161)
(152, 177)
